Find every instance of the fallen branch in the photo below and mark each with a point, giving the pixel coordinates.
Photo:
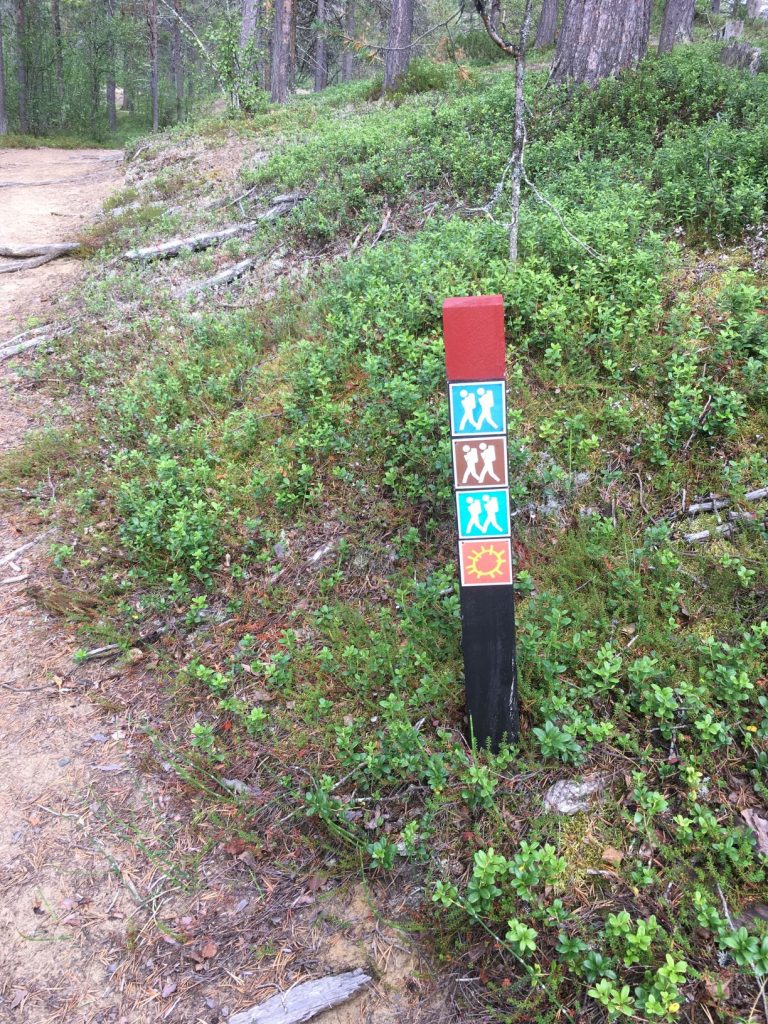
(26, 340)
(7, 559)
(281, 206)
(14, 579)
(714, 504)
(24, 252)
(110, 651)
(305, 1001)
(724, 530)
(32, 339)
(27, 257)
(223, 277)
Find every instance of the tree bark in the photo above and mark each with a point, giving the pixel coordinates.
(348, 57)
(677, 26)
(397, 56)
(111, 106)
(281, 51)
(321, 50)
(715, 6)
(547, 27)
(247, 23)
(58, 51)
(599, 38)
(518, 146)
(177, 61)
(753, 9)
(21, 66)
(3, 114)
(154, 83)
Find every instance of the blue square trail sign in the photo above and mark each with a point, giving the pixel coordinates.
(483, 513)
(478, 408)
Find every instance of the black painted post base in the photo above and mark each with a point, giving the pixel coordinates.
(490, 669)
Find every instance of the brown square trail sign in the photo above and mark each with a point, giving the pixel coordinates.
(479, 462)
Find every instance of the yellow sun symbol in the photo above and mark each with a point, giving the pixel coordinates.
(487, 562)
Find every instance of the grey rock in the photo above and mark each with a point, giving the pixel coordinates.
(569, 796)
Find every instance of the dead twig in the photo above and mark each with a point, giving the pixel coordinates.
(6, 559)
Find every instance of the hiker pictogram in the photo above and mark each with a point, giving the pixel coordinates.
(483, 514)
(478, 408)
(478, 463)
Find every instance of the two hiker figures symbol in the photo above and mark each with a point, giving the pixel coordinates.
(477, 408)
(484, 515)
(481, 418)
(485, 454)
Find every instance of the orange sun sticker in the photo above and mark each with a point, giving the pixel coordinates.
(485, 563)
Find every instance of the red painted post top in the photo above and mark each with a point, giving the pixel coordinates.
(473, 328)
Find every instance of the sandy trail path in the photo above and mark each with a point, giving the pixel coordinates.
(110, 911)
(65, 902)
(32, 211)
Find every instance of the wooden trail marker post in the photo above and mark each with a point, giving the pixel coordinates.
(473, 329)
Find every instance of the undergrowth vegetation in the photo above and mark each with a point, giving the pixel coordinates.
(273, 484)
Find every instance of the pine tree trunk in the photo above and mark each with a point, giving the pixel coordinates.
(321, 50)
(348, 58)
(677, 26)
(398, 54)
(3, 114)
(281, 51)
(21, 64)
(599, 38)
(154, 82)
(177, 61)
(58, 51)
(547, 27)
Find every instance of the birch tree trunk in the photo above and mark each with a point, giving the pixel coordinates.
(154, 82)
(3, 114)
(111, 107)
(547, 27)
(398, 53)
(321, 50)
(348, 58)
(281, 50)
(58, 52)
(21, 65)
(599, 38)
(518, 146)
(177, 61)
(677, 26)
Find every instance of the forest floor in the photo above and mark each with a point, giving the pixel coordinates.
(111, 908)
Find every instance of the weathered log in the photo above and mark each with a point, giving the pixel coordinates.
(723, 530)
(25, 252)
(27, 257)
(303, 1002)
(26, 340)
(191, 244)
(223, 277)
(281, 205)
